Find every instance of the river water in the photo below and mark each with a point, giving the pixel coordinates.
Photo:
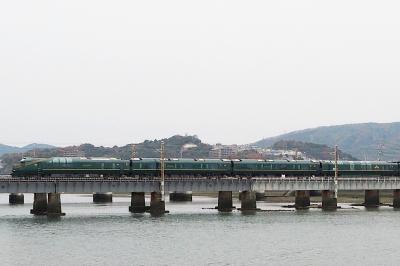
(107, 234)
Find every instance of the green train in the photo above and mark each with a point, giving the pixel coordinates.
(150, 167)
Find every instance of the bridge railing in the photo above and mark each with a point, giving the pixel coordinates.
(189, 178)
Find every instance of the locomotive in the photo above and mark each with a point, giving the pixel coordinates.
(150, 167)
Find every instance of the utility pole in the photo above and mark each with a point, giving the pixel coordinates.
(133, 147)
(162, 168)
(335, 180)
(380, 152)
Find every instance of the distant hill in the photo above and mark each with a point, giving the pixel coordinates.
(8, 149)
(148, 149)
(11, 149)
(312, 150)
(363, 141)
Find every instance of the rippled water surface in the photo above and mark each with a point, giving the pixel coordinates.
(109, 235)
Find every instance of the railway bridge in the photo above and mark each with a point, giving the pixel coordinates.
(47, 191)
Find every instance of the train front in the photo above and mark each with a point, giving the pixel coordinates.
(26, 167)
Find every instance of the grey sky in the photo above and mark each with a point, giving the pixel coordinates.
(116, 72)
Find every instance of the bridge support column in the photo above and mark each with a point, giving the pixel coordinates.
(329, 201)
(371, 198)
(54, 205)
(39, 204)
(260, 195)
(16, 198)
(248, 199)
(302, 200)
(225, 201)
(157, 205)
(138, 203)
(396, 198)
(102, 197)
(180, 196)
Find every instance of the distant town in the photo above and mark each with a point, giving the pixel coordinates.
(220, 151)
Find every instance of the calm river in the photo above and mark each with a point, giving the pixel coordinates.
(109, 235)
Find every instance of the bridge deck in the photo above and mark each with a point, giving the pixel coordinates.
(133, 184)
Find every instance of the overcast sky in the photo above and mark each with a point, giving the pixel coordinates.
(117, 72)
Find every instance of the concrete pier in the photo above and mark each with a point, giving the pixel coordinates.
(102, 197)
(39, 204)
(260, 195)
(180, 196)
(302, 200)
(248, 201)
(54, 205)
(16, 198)
(138, 203)
(329, 201)
(396, 198)
(157, 205)
(371, 198)
(225, 201)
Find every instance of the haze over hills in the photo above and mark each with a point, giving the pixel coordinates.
(12, 149)
(363, 141)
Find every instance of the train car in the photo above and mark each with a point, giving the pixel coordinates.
(360, 168)
(275, 168)
(67, 166)
(198, 167)
(27, 167)
(146, 167)
(150, 167)
(176, 167)
(143, 167)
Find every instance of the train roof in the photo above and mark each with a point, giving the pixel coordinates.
(360, 162)
(183, 160)
(82, 159)
(188, 160)
(276, 161)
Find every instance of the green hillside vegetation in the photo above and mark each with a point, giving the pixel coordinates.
(363, 141)
(312, 150)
